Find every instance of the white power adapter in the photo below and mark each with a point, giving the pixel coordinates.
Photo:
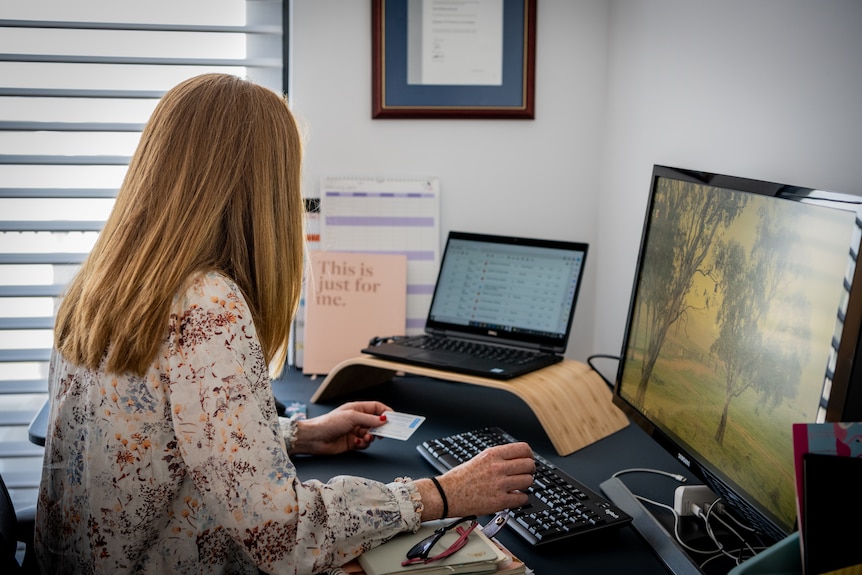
(687, 497)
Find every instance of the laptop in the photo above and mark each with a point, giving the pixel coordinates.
(513, 295)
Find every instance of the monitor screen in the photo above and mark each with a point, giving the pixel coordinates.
(744, 319)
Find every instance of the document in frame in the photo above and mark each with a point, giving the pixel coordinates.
(387, 216)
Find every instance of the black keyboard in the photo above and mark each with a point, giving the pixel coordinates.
(560, 507)
(477, 349)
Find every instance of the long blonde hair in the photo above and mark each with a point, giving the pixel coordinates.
(214, 185)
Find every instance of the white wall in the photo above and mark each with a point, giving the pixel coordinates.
(770, 89)
(766, 89)
(516, 177)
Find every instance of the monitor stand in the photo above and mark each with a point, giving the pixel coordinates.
(570, 400)
(656, 529)
(671, 553)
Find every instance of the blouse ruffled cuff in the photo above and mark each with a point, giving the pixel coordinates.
(409, 501)
(288, 429)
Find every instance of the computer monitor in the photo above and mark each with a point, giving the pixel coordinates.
(745, 318)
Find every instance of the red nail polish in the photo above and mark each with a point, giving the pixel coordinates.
(356, 441)
(383, 417)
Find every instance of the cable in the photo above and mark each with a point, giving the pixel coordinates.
(677, 476)
(676, 533)
(736, 555)
(602, 356)
(727, 526)
(721, 509)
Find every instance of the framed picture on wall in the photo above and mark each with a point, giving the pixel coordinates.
(453, 59)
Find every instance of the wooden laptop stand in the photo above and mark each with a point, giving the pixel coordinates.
(571, 401)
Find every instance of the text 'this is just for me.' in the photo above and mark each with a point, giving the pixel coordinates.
(337, 278)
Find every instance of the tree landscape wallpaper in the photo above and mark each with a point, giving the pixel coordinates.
(735, 307)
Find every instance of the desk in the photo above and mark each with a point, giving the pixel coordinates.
(451, 407)
(39, 425)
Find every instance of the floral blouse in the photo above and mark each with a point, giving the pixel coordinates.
(186, 469)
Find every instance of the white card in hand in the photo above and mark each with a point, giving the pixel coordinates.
(398, 425)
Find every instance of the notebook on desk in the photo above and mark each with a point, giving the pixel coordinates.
(514, 295)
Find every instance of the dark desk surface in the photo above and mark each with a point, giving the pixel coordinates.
(39, 425)
(452, 407)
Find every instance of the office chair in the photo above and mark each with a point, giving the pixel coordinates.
(14, 528)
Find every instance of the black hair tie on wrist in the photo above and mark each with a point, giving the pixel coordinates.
(442, 496)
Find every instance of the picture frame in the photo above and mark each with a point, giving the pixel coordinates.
(505, 89)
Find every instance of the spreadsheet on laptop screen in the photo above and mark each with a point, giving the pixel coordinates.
(523, 288)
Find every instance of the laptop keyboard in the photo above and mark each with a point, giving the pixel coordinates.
(477, 349)
(560, 507)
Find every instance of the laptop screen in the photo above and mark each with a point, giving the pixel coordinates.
(518, 290)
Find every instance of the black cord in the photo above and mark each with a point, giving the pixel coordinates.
(377, 340)
(602, 356)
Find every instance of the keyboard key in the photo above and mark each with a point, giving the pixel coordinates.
(560, 507)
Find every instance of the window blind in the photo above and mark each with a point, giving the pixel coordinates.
(78, 80)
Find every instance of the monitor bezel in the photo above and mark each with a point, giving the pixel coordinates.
(843, 403)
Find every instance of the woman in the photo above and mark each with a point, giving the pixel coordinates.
(165, 453)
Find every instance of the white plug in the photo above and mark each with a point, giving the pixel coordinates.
(687, 497)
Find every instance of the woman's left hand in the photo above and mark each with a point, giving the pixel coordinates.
(345, 428)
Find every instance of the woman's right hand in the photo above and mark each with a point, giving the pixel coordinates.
(493, 480)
